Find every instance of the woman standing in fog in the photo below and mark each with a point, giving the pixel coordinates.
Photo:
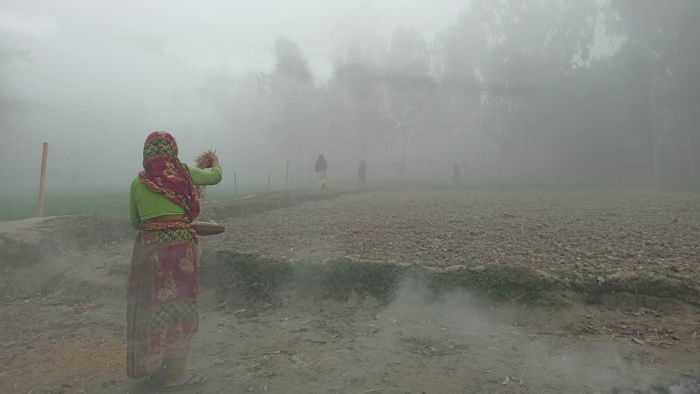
(362, 172)
(162, 292)
(321, 166)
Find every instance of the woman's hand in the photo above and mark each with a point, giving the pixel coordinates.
(215, 161)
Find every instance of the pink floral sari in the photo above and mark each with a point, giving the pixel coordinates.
(162, 289)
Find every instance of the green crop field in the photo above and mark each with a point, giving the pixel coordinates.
(24, 205)
(15, 206)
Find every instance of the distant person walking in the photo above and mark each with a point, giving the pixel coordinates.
(455, 174)
(321, 166)
(161, 310)
(362, 172)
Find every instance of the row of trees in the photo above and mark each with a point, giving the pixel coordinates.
(509, 91)
(9, 103)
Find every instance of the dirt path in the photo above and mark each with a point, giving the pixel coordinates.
(413, 345)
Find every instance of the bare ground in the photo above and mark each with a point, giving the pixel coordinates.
(606, 231)
(62, 327)
(414, 345)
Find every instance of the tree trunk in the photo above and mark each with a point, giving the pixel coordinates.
(464, 146)
(693, 143)
(690, 156)
(654, 151)
(655, 157)
(403, 157)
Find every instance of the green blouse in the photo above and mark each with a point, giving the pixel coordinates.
(145, 204)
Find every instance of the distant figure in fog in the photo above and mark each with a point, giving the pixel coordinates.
(455, 174)
(362, 172)
(321, 166)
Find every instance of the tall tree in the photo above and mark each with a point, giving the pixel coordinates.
(533, 48)
(456, 54)
(293, 93)
(409, 86)
(10, 104)
(357, 90)
(661, 43)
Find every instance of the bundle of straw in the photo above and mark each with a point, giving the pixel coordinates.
(204, 160)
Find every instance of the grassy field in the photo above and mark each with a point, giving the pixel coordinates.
(22, 206)
(25, 205)
(16, 206)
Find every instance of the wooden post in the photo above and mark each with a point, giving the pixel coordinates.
(42, 182)
(268, 182)
(286, 176)
(235, 188)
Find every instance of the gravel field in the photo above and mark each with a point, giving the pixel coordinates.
(652, 232)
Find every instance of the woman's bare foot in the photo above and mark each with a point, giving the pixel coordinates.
(157, 377)
(183, 381)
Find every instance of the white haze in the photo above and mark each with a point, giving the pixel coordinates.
(486, 336)
(94, 78)
(102, 75)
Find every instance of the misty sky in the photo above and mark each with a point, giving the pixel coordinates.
(102, 75)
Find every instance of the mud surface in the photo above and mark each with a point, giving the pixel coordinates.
(62, 328)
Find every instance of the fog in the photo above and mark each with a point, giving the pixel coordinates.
(451, 99)
(491, 334)
(575, 92)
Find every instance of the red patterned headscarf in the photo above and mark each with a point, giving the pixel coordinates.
(164, 173)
